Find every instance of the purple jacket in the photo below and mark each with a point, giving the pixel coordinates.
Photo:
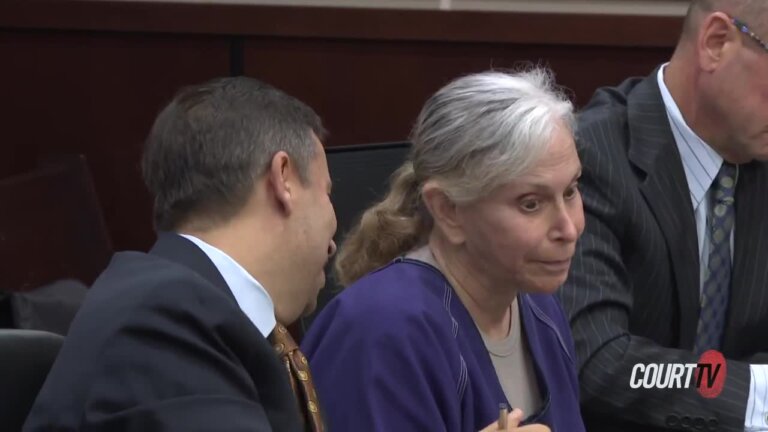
(398, 351)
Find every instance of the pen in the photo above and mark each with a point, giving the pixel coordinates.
(502, 425)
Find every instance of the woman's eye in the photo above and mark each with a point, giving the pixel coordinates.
(530, 205)
(571, 192)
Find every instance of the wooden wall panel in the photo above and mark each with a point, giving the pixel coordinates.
(88, 77)
(97, 94)
(178, 17)
(372, 91)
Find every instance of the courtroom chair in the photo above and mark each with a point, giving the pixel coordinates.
(6, 311)
(26, 357)
(360, 176)
(50, 307)
(51, 231)
(51, 227)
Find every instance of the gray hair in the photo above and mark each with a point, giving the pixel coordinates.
(483, 130)
(475, 134)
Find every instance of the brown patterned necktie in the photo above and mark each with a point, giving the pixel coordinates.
(298, 374)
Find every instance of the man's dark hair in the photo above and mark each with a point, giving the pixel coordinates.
(212, 142)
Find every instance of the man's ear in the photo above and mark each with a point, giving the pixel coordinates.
(444, 212)
(282, 179)
(715, 37)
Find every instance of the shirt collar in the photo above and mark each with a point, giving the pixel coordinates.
(250, 295)
(700, 162)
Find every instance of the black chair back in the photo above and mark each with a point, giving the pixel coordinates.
(26, 357)
(360, 176)
(51, 227)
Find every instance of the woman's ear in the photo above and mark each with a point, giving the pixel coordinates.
(444, 212)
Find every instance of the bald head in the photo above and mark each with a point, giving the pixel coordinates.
(718, 77)
(754, 12)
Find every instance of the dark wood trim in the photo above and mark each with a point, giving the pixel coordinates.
(338, 23)
(236, 56)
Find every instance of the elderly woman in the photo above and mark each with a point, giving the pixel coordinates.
(450, 311)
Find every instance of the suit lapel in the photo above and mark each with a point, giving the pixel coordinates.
(176, 248)
(654, 152)
(262, 364)
(750, 248)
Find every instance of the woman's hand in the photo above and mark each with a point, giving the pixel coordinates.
(513, 420)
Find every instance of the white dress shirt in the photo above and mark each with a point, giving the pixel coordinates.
(250, 295)
(701, 164)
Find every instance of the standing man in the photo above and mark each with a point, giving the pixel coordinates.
(177, 339)
(674, 259)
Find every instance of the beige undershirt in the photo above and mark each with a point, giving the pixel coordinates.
(510, 356)
(513, 364)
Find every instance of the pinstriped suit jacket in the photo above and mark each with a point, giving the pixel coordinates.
(633, 292)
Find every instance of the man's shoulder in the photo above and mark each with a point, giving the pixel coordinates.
(140, 268)
(140, 292)
(608, 107)
(145, 283)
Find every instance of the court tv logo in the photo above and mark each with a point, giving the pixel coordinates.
(707, 375)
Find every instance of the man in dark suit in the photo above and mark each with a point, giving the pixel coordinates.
(674, 258)
(177, 339)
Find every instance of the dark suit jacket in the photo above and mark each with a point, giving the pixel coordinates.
(633, 292)
(160, 344)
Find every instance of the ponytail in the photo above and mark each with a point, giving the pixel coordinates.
(387, 230)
